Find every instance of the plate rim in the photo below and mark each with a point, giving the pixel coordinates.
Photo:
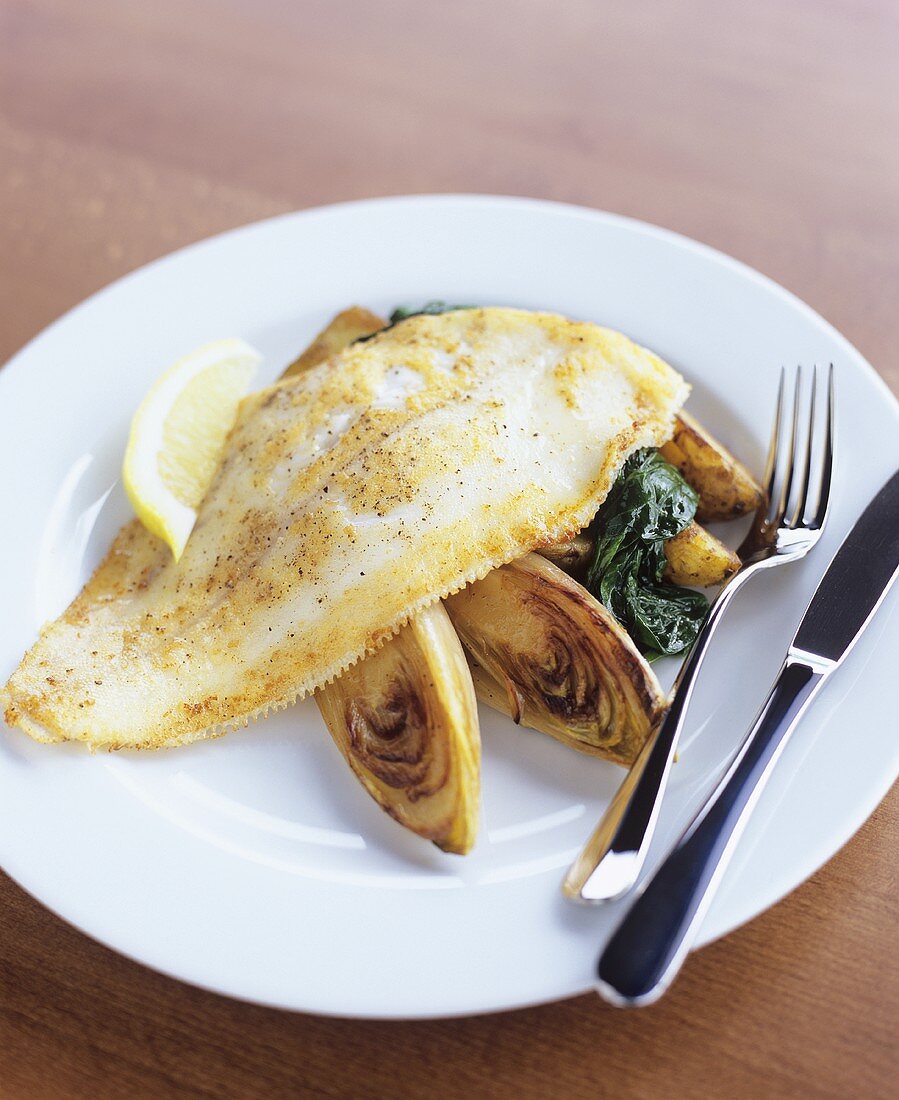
(822, 852)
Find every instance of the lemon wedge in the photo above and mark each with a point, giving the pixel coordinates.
(178, 433)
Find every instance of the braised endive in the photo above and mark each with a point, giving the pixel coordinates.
(548, 654)
(406, 721)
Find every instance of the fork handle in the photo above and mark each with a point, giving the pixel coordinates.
(611, 860)
(647, 949)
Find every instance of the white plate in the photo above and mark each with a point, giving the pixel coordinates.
(255, 865)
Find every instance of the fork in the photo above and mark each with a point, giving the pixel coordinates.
(787, 525)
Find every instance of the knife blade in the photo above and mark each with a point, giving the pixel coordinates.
(856, 580)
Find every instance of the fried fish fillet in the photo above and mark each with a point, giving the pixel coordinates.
(349, 498)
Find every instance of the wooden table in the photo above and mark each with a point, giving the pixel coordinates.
(770, 130)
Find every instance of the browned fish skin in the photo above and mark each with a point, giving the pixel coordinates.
(347, 501)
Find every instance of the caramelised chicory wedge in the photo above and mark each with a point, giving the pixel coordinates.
(547, 653)
(406, 721)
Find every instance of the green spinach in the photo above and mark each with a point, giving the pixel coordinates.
(429, 309)
(649, 503)
(402, 313)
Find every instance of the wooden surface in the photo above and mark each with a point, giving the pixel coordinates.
(770, 130)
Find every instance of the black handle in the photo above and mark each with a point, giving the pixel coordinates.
(649, 945)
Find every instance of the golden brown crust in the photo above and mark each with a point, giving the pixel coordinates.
(347, 501)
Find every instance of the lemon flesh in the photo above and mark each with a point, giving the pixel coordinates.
(178, 434)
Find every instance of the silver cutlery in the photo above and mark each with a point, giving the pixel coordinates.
(785, 528)
(649, 946)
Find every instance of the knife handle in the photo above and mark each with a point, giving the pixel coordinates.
(647, 949)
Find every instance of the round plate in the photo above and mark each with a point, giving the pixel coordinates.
(255, 865)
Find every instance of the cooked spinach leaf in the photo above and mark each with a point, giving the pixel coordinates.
(429, 308)
(401, 313)
(649, 503)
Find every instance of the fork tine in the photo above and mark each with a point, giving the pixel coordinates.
(784, 496)
(820, 517)
(798, 512)
(773, 446)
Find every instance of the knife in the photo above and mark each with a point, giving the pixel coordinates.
(649, 946)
